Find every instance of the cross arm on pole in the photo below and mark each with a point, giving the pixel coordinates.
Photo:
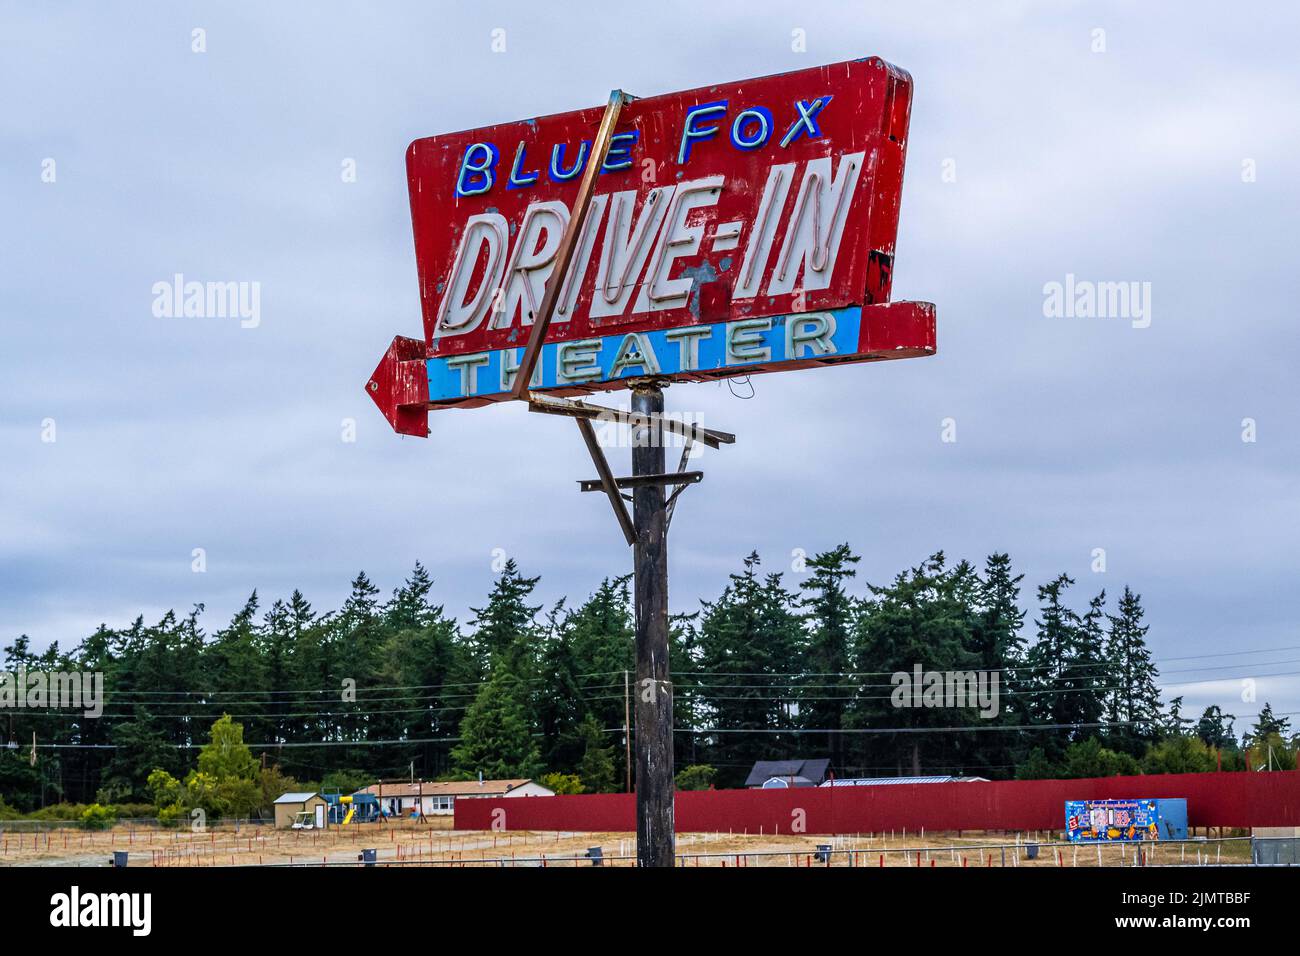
(640, 481)
(549, 405)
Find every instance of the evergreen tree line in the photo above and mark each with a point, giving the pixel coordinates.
(777, 666)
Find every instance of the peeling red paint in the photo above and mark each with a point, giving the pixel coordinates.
(758, 199)
(399, 386)
(867, 112)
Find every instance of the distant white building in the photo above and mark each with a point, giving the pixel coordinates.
(886, 781)
(439, 797)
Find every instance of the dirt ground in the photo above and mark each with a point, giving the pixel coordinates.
(434, 843)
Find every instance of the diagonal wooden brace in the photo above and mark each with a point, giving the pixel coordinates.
(607, 480)
(568, 244)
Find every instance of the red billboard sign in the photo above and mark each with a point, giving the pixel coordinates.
(734, 229)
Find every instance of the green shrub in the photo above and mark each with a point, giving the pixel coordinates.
(97, 817)
(696, 777)
(59, 812)
(562, 783)
(170, 816)
(1179, 755)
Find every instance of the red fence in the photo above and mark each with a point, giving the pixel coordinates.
(1213, 800)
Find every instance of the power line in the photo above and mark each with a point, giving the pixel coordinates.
(1071, 672)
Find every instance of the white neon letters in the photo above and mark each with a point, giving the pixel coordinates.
(646, 249)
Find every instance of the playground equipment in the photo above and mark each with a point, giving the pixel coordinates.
(346, 808)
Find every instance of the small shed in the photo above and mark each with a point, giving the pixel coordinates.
(289, 805)
(771, 774)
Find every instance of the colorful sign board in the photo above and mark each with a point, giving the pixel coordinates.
(1113, 821)
(739, 228)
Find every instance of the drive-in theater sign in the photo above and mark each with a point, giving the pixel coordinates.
(734, 229)
(740, 228)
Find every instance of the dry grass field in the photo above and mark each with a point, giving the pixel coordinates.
(434, 843)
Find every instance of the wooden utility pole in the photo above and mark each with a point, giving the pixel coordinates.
(655, 841)
(627, 729)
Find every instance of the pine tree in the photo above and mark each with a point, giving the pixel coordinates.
(1268, 725)
(496, 734)
(1048, 660)
(416, 661)
(830, 614)
(409, 607)
(356, 652)
(1000, 647)
(1268, 744)
(1136, 699)
(596, 769)
(1087, 680)
(581, 666)
(1215, 728)
(236, 669)
(507, 617)
(997, 631)
(601, 635)
(1175, 725)
(528, 693)
(920, 620)
(140, 747)
(748, 639)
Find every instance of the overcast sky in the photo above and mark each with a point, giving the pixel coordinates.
(1161, 150)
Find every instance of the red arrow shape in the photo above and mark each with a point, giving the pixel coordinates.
(399, 385)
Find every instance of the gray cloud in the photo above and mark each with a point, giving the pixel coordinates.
(1072, 433)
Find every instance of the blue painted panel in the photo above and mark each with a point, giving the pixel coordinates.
(771, 342)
